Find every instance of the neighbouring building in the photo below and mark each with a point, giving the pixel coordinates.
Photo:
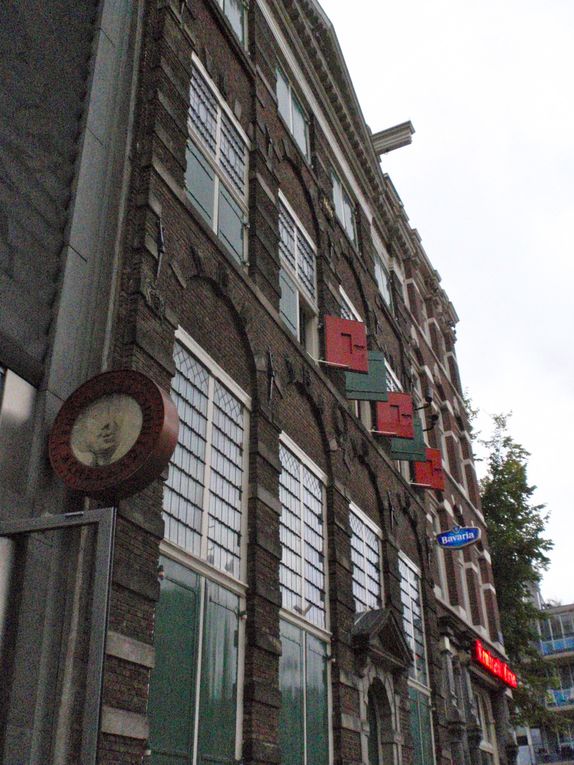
(189, 190)
(538, 745)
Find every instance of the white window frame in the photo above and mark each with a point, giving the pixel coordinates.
(416, 683)
(288, 119)
(199, 564)
(392, 377)
(243, 38)
(347, 303)
(299, 619)
(341, 197)
(306, 302)
(353, 508)
(214, 161)
(487, 724)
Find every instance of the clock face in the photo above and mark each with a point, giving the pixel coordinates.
(106, 429)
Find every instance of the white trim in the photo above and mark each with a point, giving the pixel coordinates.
(299, 621)
(366, 520)
(221, 101)
(193, 346)
(283, 200)
(300, 454)
(405, 558)
(350, 304)
(314, 106)
(201, 567)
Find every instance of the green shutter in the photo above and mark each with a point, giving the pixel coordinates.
(172, 689)
(230, 223)
(291, 685)
(218, 689)
(373, 385)
(421, 728)
(288, 302)
(411, 449)
(317, 707)
(200, 182)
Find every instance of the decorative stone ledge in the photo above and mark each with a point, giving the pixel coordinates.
(129, 649)
(119, 722)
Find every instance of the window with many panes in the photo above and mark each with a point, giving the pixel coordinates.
(366, 561)
(487, 746)
(302, 568)
(293, 113)
(216, 169)
(419, 693)
(203, 496)
(343, 207)
(195, 683)
(236, 13)
(297, 277)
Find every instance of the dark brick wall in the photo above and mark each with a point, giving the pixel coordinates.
(232, 312)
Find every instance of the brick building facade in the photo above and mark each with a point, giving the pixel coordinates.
(280, 596)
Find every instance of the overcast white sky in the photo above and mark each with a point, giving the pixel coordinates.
(489, 184)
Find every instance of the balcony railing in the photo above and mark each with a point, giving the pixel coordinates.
(558, 645)
(560, 698)
(565, 756)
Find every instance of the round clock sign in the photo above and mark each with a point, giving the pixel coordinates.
(114, 435)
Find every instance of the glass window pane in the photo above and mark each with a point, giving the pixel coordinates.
(289, 302)
(291, 685)
(317, 708)
(287, 237)
(200, 182)
(233, 153)
(283, 99)
(203, 110)
(230, 224)
(338, 198)
(234, 10)
(383, 281)
(300, 131)
(348, 217)
(218, 687)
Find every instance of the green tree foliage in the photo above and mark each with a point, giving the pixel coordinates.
(519, 556)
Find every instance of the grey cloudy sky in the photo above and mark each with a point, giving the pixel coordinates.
(489, 184)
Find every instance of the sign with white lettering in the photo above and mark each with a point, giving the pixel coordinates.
(459, 536)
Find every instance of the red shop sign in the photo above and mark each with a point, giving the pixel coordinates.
(494, 666)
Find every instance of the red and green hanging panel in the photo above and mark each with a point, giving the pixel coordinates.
(371, 386)
(410, 449)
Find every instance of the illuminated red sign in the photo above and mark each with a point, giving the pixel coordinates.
(493, 665)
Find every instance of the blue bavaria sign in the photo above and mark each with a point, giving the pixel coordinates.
(459, 536)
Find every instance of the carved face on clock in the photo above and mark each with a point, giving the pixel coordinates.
(106, 430)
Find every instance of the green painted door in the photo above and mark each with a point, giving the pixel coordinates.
(218, 689)
(317, 714)
(291, 728)
(172, 689)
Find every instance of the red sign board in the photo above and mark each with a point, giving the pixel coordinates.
(494, 666)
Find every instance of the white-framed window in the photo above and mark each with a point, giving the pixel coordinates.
(413, 622)
(302, 570)
(304, 730)
(297, 277)
(292, 112)
(216, 169)
(236, 13)
(419, 691)
(205, 493)
(348, 310)
(343, 207)
(366, 561)
(393, 382)
(487, 746)
(383, 279)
